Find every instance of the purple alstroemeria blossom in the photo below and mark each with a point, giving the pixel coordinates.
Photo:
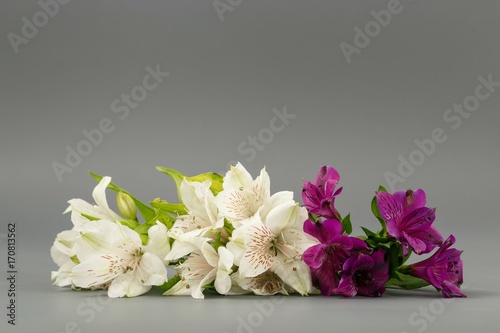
(327, 258)
(364, 275)
(409, 221)
(319, 198)
(444, 269)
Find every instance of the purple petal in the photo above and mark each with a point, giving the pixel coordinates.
(346, 287)
(415, 199)
(326, 279)
(325, 173)
(390, 208)
(315, 256)
(420, 218)
(324, 231)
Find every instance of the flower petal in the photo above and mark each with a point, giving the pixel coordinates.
(287, 215)
(128, 285)
(324, 231)
(295, 273)
(389, 207)
(158, 243)
(151, 270)
(259, 255)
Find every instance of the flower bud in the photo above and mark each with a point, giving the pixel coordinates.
(126, 206)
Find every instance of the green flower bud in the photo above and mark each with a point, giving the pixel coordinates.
(126, 206)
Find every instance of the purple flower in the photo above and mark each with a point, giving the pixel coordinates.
(319, 198)
(444, 270)
(409, 221)
(327, 258)
(364, 275)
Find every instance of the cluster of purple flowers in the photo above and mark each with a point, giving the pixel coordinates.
(365, 265)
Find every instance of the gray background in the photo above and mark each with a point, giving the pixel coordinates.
(225, 79)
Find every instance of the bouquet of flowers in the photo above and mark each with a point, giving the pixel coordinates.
(230, 235)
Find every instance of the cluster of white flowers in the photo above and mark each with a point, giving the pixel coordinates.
(233, 237)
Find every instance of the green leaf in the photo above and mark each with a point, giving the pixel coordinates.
(176, 209)
(375, 209)
(176, 176)
(346, 224)
(170, 283)
(132, 224)
(407, 282)
(146, 212)
(382, 189)
(368, 232)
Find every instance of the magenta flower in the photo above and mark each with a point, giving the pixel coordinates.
(327, 258)
(444, 270)
(364, 275)
(319, 198)
(409, 221)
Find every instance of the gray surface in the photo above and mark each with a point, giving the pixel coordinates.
(225, 80)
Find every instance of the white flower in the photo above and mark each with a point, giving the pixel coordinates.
(202, 210)
(242, 196)
(275, 243)
(63, 254)
(202, 220)
(80, 209)
(204, 266)
(112, 253)
(265, 284)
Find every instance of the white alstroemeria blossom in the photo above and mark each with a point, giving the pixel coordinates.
(202, 220)
(80, 208)
(63, 254)
(202, 210)
(113, 254)
(265, 284)
(242, 196)
(203, 266)
(276, 244)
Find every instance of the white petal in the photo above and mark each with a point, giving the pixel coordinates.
(287, 215)
(98, 270)
(184, 245)
(237, 204)
(295, 273)
(259, 255)
(181, 288)
(222, 280)
(198, 288)
(261, 186)
(158, 243)
(275, 200)
(226, 259)
(62, 277)
(297, 239)
(194, 196)
(106, 237)
(210, 255)
(99, 193)
(151, 270)
(236, 178)
(128, 285)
